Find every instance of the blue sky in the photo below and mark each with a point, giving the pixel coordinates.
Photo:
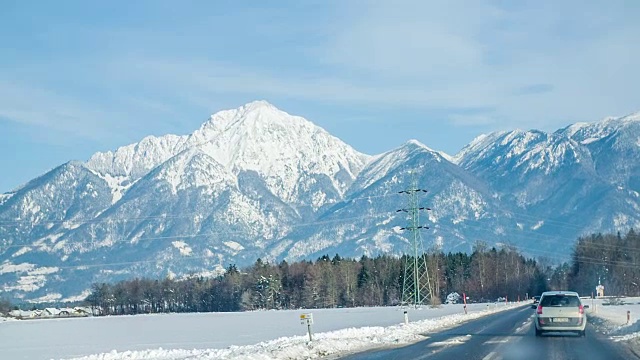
(78, 77)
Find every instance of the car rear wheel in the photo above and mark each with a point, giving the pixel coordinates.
(538, 332)
(583, 333)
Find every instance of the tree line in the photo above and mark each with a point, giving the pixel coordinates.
(5, 306)
(328, 282)
(611, 260)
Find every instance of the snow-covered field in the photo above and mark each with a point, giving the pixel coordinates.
(612, 320)
(246, 335)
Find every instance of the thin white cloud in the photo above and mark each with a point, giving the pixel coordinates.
(485, 56)
(414, 39)
(204, 79)
(61, 117)
(471, 119)
(38, 107)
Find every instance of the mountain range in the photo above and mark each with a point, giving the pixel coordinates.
(256, 182)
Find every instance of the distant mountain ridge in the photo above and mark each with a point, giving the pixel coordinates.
(257, 182)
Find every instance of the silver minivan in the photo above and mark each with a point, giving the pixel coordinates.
(560, 311)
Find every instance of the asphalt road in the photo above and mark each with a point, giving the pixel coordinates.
(508, 335)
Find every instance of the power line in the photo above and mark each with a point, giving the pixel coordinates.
(212, 234)
(183, 215)
(554, 254)
(546, 239)
(439, 227)
(417, 289)
(584, 259)
(523, 249)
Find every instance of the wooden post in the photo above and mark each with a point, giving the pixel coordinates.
(464, 300)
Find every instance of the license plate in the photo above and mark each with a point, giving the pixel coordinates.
(561, 320)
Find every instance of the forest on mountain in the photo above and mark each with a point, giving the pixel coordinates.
(610, 260)
(5, 306)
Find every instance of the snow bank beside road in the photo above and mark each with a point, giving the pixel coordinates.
(332, 343)
(612, 320)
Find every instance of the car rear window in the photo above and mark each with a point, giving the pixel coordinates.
(560, 300)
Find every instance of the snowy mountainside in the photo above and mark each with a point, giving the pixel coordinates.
(612, 144)
(257, 182)
(135, 160)
(5, 197)
(289, 152)
(521, 164)
(587, 133)
(52, 205)
(368, 221)
(174, 204)
(577, 180)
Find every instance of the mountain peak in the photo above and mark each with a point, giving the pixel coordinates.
(587, 133)
(254, 121)
(633, 117)
(615, 121)
(279, 146)
(250, 110)
(257, 105)
(414, 142)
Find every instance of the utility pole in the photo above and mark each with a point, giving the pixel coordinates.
(416, 287)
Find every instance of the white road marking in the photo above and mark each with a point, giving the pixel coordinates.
(497, 341)
(490, 356)
(525, 325)
(441, 345)
(453, 341)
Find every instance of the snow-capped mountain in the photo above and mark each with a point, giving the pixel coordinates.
(257, 182)
(578, 180)
(295, 158)
(613, 143)
(368, 221)
(522, 163)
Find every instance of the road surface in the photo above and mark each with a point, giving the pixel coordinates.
(508, 335)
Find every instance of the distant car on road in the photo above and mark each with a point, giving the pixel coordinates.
(560, 311)
(536, 299)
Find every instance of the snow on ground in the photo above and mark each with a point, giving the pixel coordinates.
(245, 335)
(612, 320)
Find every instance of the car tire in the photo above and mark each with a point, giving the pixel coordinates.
(538, 332)
(583, 333)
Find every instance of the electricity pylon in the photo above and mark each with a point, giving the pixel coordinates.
(416, 287)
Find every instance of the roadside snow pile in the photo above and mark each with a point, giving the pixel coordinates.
(614, 317)
(339, 342)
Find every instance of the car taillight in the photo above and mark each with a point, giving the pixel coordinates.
(581, 309)
(539, 310)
